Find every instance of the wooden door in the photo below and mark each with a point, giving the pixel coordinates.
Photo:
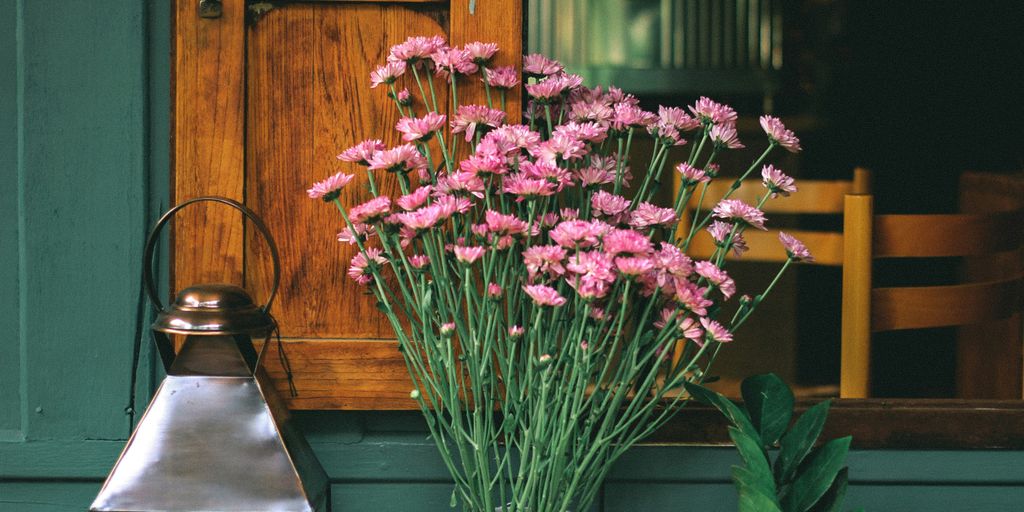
(263, 101)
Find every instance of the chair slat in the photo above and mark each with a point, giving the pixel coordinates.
(944, 306)
(827, 247)
(926, 236)
(813, 196)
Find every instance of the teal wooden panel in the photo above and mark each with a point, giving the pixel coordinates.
(391, 497)
(47, 496)
(703, 497)
(83, 159)
(10, 302)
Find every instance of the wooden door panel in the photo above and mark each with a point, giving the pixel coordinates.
(306, 95)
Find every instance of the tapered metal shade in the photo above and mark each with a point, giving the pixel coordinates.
(215, 438)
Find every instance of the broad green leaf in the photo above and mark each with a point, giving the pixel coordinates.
(753, 456)
(755, 493)
(799, 440)
(815, 476)
(832, 501)
(770, 403)
(737, 416)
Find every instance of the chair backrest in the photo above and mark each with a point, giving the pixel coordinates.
(813, 197)
(867, 309)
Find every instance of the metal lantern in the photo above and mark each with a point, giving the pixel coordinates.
(216, 436)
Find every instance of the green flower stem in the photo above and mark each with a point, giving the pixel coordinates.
(487, 87)
(419, 85)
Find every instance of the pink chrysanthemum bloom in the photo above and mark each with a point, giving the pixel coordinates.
(647, 215)
(778, 134)
(386, 74)
(574, 233)
(461, 184)
(588, 131)
(402, 159)
(515, 331)
(776, 181)
(544, 259)
(513, 136)
(484, 165)
(404, 98)
(691, 329)
(589, 287)
(468, 255)
(420, 129)
(362, 153)
(692, 297)
(505, 77)
(725, 136)
(527, 188)
(710, 111)
(619, 241)
(717, 277)
(449, 61)
(561, 146)
(633, 266)
(504, 224)
(720, 233)
(415, 50)
(631, 116)
(569, 214)
(371, 211)
(421, 219)
(447, 329)
(678, 118)
(690, 175)
(419, 261)
(546, 91)
(494, 291)
(736, 210)
(666, 134)
(593, 176)
(595, 111)
(330, 188)
(415, 199)
(595, 264)
(667, 316)
(481, 53)
(672, 261)
(715, 331)
(537, 65)
(796, 249)
(362, 265)
(361, 232)
(474, 118)
(544, 295)
(450, 205)
(607, 204)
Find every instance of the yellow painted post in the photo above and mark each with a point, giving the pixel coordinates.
(856, 316)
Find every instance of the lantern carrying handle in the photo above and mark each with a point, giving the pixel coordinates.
(153, 237)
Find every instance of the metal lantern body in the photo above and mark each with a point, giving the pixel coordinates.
(216, 435)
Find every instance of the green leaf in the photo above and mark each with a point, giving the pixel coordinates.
(737, 416)
(754, 495)
(832, 501)
(817, 473)
(770, 403)
(799, 440)
(753, 456)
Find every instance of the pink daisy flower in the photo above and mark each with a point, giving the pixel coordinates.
(710, 111)
(401, 159)
(419, 261)
(725, 136)
(715, 331)
(691, 297)
(461, 183)
(404, 98)
(690, 175)
(421, 219)
(631, 116)
(647, 215)
(573, 233)
(473, 118)
(481, 53)
(720, 233)
(678, 118)
(737, 211)
(362, 153)
(619, 241)
(607, 204)
(494, 291)
(595, 111)
(587, 131)
(666, 134)
(386, 74)
(527, 188)
(589, 288)
(362, 265)
(717, 277)
(449, 61)
(484, 165)
(691, 329)
(593, 176)
(544, 259)
(796, 249)
(778, 134)
(503, 224)
(420, 129)
(544, 295)
(330, 188)
(515, 331)
(776, 181)
(595, 264)
(416, 49)
(371, 211)
(505, 77)
(633, 266)
(358, 232)
(415, 199)
(468, 255)
(537, 65)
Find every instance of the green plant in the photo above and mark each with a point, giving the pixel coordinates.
(801, 478)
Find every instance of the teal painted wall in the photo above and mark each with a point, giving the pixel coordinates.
(83, 153)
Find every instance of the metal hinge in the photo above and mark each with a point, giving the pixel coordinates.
(210, 8)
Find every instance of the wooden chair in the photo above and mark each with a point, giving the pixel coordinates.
(813, 197)
(867, 310)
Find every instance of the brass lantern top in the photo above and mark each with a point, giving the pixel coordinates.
(214, 309)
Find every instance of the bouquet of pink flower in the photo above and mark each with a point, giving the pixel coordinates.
(549, 320)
